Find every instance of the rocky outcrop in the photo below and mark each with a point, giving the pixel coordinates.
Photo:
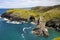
(40, 32)
(54, 23)
(12, 17)
(16, 18)
(41, 29)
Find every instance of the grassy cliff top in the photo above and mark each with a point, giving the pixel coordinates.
(46, 12)
(24, 13)
(52, 14)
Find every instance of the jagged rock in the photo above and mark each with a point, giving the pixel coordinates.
(12, 17)
(40, 32)
(36, 31)
(54, 23)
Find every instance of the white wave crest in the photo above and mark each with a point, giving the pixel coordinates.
(8, 21)
(13, 22)
(24, 22)
(33, 23)
(25, 28)
(5, 19)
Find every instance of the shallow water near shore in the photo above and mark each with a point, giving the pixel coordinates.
(22, 32)
(9, 31)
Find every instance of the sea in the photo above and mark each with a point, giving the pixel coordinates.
(21, 31)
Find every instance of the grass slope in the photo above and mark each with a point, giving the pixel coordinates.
(46, 12)
(24, 13)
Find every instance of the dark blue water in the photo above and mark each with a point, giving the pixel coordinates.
(10, 31)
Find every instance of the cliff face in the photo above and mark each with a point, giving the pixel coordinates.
(12, 17)
(18, 14)
(54, 23)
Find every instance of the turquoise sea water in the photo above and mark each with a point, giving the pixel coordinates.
(10, 31)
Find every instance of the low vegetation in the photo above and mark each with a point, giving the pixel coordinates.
(58, 38)
(46, 12)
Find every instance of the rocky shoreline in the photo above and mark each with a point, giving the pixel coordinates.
(13, 18)
(54, 23)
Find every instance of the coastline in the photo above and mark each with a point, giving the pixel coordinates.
(21, 16)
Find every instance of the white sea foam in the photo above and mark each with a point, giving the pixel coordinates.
(0, 16)
(13, 22)
(32, 23)
(8, 21)
(5, 19)
(22, 35)
(23, 21)
(17, 22)
(26, 22)
(25, 29)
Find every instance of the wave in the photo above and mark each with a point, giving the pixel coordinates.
(8, 21)
(25, 29)
(13, 22)
(33, 23)
(23, 22)
(0, 16)
(5, 19)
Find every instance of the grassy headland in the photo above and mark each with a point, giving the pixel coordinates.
(48, 13)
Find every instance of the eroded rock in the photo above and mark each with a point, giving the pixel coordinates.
(54, 23)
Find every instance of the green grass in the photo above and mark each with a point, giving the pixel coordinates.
(58, 38)
(47, 13)
(24, 13)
